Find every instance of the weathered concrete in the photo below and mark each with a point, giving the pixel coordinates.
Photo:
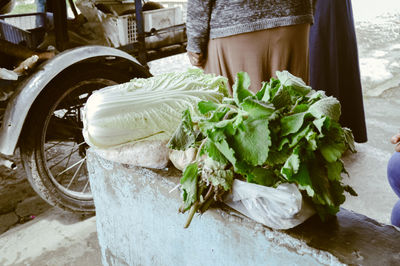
(138, 224)
(7, 220)
(55, 238)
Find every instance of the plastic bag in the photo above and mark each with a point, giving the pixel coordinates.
(150, 154)
(181, 159)
(101, 28)
(279, 208)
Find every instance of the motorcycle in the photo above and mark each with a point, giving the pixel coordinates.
(42, 117)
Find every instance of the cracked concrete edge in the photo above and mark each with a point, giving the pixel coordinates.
(25, 210)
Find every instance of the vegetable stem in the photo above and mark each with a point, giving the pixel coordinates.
(206, 205)
(193, 210)
(199, 149)
(203, 206)
(210, 190)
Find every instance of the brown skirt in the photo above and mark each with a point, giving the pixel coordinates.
(260, 54)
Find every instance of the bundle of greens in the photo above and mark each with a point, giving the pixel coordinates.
(285, 133)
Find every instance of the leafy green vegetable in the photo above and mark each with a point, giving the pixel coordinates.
(286, 132)
(147, 109)
(251, 141)
(329, 107)
(184, 136)
(189, 185)
(240, 88)
(292, 123)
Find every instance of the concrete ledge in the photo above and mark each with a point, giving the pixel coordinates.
(138, 224)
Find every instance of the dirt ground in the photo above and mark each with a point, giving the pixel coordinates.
(19, 203)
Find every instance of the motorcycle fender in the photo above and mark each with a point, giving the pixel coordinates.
(26, 93)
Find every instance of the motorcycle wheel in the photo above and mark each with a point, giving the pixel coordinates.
(52, 148)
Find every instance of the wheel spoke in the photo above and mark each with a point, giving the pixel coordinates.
(60, 161)
(77, 148)
(58, 143)
(76, 172)
(69, 157)
(86, 185)
(72, 166)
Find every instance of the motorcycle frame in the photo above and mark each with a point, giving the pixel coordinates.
(28, 90)
(26, 93)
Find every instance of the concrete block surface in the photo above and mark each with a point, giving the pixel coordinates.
(138, 224)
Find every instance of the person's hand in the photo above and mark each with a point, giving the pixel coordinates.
(196, 59)
(396, 140)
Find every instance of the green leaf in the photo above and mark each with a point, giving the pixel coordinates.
(184, 136)
(292, 164)
(315, 96)
(319, 123)
(228, 101)
(218, 114)
(240, 87)
(311, 138)
(292, 123)
(282, 98)
(208, 124)
(262, 91)
(334, 144)
(222, 145)
(296, 83)
(328, 106)
(300, 108)
(303, 180)
(332, 151)
(328, 193)
(334, 170)
(257, 109)
(283, 142)
(262, 176)
(277, 157)
(337, 193)
(350, 190)
(189, 185)
(252, 141)
(349, 139)
(297, 137)
(271, 88)
(207, 106)
(213, 152)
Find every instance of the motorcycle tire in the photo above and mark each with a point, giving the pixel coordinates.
(52, 147)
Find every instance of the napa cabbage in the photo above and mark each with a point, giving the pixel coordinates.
(147, 109)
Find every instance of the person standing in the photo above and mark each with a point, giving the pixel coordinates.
(259, 37)
(334, 65)
(393, 175)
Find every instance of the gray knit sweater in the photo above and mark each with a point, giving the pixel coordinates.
(209, 19)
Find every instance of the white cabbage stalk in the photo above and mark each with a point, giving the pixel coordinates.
(147, 109)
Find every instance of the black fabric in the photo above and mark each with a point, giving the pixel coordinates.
(334, 65)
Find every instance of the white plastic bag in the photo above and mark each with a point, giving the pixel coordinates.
(181, 159)
(150, 154)
(279, 208)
